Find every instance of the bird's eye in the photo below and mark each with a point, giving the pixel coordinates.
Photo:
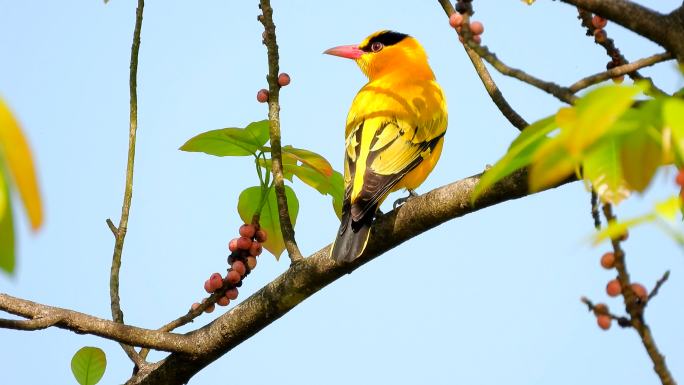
(376, 46)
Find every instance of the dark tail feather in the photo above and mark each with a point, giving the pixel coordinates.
(352, 236)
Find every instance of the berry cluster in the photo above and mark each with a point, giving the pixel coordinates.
(614, 289)
(476, 27)
(242, 260)
(283, 80)
(601, 37)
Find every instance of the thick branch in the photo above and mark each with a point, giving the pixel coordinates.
(120, 235)
(489, 84)
(46, 316)
(304, 279)
(274, 116)
(666, 30)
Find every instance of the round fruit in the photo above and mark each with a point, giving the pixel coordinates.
(262, 96)
(244, 243)
(613, 288)
(283, 79)
(261, 236)
(477, 28)
(210, 308)
(233, 277)
(195, 306)
(619, 79)
(255, 249)
(247, 231)
(600, 308)
(477, 39)
(232, 294)
(640, 291)
(608, 260)
(232, 245)
(223, 301)
(207, 286)
(598, 22)
(604, 321)
(600, 36)
(251, 262)
(680, 177)
(215, 282)
(455, 20)
(240, 268)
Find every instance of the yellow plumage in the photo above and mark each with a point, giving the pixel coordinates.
(394, 131)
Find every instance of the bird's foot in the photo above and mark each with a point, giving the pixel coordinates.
(401, 201)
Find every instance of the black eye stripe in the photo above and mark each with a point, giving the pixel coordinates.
(387, 38)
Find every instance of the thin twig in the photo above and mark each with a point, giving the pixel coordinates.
(635, 306)
(612, 51)
(489, 84)
(112, 227)
(117, 314)
(625, 69)
(266, 18)
(38, 323)
(595, 214)
(658, 285)
(621, 320)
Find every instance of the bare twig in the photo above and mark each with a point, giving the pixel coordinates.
(625, 69)
(37, 323)
(266, 18)
(120, 235)
(635, 307)
(489, 84)
(80, 323)
(658, 285)
(595, 214)
(621, 320)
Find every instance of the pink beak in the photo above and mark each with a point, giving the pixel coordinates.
(346, 51)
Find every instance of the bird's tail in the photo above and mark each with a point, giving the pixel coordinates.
(352, 236)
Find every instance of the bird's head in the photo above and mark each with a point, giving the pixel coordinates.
(385, 52)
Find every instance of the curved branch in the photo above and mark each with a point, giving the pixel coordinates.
(44, 315)
(266, 18)
(620, 70)
(304, 279)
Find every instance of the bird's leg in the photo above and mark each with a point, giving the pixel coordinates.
(401, 201)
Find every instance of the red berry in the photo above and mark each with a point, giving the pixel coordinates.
(477, 28)
(223, 301)
(619, 79)
(232, 245)
(233, 277)
(262, 95)
(283, 79)
(215, 282)
(207, 286)
(600, 308)
(244, 243)
(613, 288)
(247, 231)
(608, 260)
(640, 291)
(600, 36)
(455, 19)
(251, 262)
(477, 39)
(261, 236)
(680, 177)
(240, 268)
(598, 22)
(195, 306)
(604, 321)
(210, 308)
(255, 249)
(624, 236)
(232, 294)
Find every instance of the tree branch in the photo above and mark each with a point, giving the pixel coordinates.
(304, 279)
(489, 84)
(120, 235)
(666, 30)
(619, 71)
(266, 18)
(80, 323)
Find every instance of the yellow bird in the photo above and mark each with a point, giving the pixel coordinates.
(394, 132)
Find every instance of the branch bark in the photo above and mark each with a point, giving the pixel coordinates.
(304, 279)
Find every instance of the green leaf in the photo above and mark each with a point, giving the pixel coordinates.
(7, 258)
(287, 162)
(309, 158)
(602, 168)
(640, 155)
(673, 118)
(230, 141)
(519, 155)
(332, 185)
(595, 113)
(552, 163)
(248, 204)
(88, 365)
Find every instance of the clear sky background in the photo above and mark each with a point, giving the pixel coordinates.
(490, 298)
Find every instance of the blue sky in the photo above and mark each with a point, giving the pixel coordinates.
(485, 299)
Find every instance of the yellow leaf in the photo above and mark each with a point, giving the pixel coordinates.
(551, 165)
(669, 208)
(17, 158)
